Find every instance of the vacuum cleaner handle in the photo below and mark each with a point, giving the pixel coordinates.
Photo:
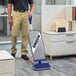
(30, 22)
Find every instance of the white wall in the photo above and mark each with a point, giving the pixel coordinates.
(50, 2)
(73, 2)
(37, 10)
(2, 9)
(60, 2)
(36, 22)
(50, 13)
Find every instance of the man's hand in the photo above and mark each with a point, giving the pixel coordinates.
(10, 21)
(30, 14)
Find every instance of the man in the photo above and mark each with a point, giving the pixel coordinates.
(20, 18)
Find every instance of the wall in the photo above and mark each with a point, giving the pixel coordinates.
(58, 2)
(50, 1)
(37, 10)
(73, 2)
(51, 13)
(3, 9)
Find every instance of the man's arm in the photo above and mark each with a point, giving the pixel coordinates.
(9, 13)
(31, 9)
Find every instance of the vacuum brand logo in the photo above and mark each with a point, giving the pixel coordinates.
(36, 41)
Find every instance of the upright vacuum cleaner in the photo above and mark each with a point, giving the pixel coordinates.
(37, 49)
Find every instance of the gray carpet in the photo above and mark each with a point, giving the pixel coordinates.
(59, 67)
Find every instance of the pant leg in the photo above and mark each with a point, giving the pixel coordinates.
(15, 30)
(13, 42)
(25, 27)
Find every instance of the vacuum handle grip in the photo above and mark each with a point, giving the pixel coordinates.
(30, 20)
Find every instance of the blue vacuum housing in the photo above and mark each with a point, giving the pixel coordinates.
(30, 20)
(41, 66)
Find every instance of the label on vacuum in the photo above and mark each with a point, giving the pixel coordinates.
(36, 42)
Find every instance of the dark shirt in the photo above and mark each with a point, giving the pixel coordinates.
(20, 4)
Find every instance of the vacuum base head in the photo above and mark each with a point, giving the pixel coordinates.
(41, 66)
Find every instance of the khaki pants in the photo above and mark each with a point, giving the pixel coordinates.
(20, 19)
